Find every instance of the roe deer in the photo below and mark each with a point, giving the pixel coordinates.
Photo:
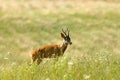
(51, 51)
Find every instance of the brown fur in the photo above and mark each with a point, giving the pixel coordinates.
(51, 51)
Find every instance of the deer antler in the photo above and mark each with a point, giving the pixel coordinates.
(68, 31)
(64, 32)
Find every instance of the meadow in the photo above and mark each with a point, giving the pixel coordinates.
(29, 24)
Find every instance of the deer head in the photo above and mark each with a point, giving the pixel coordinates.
(66, 37)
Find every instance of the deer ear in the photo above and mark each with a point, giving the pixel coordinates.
(62, 35)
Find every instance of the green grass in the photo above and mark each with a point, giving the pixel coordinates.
(94, 30)
(102, 66)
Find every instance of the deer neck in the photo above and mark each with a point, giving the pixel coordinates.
(64, 47)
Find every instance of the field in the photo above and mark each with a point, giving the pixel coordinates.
(29, 24)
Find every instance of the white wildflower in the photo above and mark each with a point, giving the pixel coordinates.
(100, 58)
(70, 63)
(64, 58)
(6, 58)
(2, 68)
(86, 76)
(47, 79)
(65, 75)
(96, 60)
(8, 53)
(13, 63)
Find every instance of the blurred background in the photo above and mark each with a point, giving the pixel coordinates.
(29, 24)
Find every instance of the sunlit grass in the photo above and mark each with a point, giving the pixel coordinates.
(103, 65)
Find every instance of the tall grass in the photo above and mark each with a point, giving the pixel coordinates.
(102, 66)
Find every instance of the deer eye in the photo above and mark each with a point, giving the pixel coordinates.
(67, 38)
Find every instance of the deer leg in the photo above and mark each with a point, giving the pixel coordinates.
(39, 60)
(33, 59)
